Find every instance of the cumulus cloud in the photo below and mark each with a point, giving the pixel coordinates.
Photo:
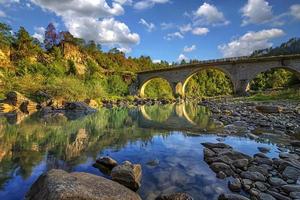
(257, 12)
(200, 31)
(145, 4)
(182, 57)
(188, 49)
(209, 15)
(174, 35)
(250, 42)
(93, 20)
(149, 26)
(295, 11)
(39, 33)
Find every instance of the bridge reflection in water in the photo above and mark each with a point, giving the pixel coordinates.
(176, 117)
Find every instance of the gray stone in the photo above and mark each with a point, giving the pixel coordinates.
(216, 145)
(60, 185)
(232, 197)
(278, 195)
(265, 196)
(275, 181)
(264, 149)
(291, 188)
(254, 176)
(291, 173)
(175, 196)
(241, 163)
(260, 186)
(295, 195)
(219, 166)
(235, 185)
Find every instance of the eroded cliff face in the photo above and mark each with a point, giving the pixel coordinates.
(5, 57)
(72, 52)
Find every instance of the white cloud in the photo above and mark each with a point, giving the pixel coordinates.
(257, 12)
(174, 35)
(156, 61)
(188, 49)
(93, 20)
(145, 4)
(250, 42)
(200, 31)
(149, 26)
(295, 11)
(2, 13)
(185, 28)
(39, 33)
(208, 14)
(182, 57)
(166, 26)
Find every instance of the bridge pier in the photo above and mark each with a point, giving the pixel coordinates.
(241, 88)
(177, 88)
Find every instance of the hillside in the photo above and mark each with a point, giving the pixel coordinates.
(290, 47)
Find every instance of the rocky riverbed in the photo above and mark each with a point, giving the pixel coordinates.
(280, 120)
(258, 177)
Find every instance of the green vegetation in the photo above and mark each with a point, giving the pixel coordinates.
(70, 68)
(288, 94)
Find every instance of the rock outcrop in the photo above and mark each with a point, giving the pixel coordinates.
(60, 185)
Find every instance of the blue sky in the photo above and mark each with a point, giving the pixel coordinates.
(164, 29)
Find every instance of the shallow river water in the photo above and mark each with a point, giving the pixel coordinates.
(165, 140)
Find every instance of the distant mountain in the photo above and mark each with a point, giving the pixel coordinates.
(290, 47)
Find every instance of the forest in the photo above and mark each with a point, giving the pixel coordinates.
(70, 68)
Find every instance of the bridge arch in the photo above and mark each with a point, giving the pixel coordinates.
(144, 84)
(291, 69)
(194, 72)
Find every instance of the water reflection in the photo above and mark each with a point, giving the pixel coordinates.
(141, 135)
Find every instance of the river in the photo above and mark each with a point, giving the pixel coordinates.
(164, 139)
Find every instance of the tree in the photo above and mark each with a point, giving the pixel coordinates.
(24, 45)
(6, 37)
(51, 37)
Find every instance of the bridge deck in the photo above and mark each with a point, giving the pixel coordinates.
(224, 61)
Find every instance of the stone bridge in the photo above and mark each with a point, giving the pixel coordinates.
(240, 70)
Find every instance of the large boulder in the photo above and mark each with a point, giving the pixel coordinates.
(128, 174)
(60, 185)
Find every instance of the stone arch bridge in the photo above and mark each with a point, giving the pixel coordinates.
(240, 70)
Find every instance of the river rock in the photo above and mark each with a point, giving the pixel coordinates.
(79, 106)
(216, 145)
(291, 173)
(295, 195)
(291, 188)
(254, 176)
(128, 174)
(265, 196)
(232, 197)
(269, 109)
(60, 185)
(235, 185)
(219, 166)
(275, 181)
(107, 162)
(175, 196)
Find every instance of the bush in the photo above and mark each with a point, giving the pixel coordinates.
(116, 86)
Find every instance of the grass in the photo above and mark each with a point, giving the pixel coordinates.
(287, 94)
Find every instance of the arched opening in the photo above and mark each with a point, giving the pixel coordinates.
(208, 83)
(276, 78)
(157, 113)
(156, 88)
